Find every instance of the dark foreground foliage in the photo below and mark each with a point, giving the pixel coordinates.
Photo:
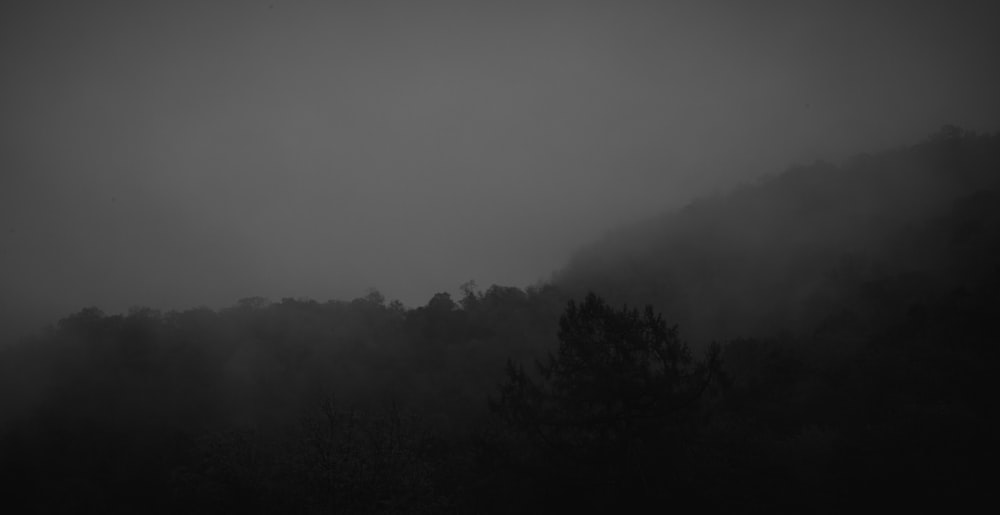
(857, 312)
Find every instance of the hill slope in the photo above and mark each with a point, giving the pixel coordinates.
(769, 258)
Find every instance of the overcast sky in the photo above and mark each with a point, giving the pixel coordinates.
(175, 154)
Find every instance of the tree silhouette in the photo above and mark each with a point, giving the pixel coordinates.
(617, 393)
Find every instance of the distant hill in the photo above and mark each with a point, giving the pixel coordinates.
(855, 305)
(773, 258)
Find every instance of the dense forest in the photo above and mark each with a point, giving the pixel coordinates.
(813, 340)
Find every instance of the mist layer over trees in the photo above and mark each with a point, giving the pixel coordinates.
(816, 339)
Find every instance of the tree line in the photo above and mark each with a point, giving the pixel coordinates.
(807, 342)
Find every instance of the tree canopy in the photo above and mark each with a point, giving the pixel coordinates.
(620, 383)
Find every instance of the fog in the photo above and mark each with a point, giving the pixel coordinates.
(176, 154)
(497, 257)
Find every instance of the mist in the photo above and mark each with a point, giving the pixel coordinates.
(182, 154)
(497, 257)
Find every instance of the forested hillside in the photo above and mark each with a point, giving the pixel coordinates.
(776, 256)
(852, 309)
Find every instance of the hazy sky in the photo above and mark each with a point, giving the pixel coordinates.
(175, 153)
